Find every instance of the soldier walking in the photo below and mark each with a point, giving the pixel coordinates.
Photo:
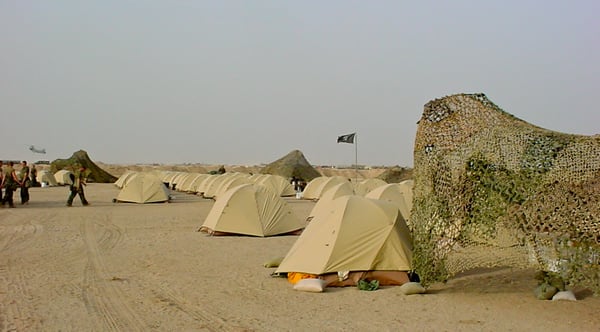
(79, 181)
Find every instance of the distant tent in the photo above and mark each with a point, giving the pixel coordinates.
(315, 188)
(231, 182)
(63, 177)
(252, 210)
(197, 181)
(395, 194)
(144, 188)
(186, 184)
(294, 164)
(206, 183)
(177, 179)
(358, 234)
(122, 180)
(45, 176)
(214, 186)
(325, 202)
(406, 187)
(81, 158)
(280, 185)
(366, 185)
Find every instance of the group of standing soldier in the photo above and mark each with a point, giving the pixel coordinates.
(10, 181)
(26, 178)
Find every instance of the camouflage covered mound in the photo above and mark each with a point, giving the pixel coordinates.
(493, 190)
(81, 158)
(396, 174)
(294, 164)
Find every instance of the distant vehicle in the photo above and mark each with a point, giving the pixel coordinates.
(36, 150)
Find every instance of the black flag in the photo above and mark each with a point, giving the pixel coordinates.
(346, 138)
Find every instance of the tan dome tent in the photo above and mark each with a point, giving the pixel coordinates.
(407, 188)
(395, 194)
(45, 176)
(205, 183)
(62, 177)
(122, 180)
(177, 179)
(197, 181)
(365, 186)
(358, 235)
(294, 164)
(280, 185)
(315, 188)
(325, 202)
(144, 188)
(213, 187)
(231, 182)
(251, 210)
(187, 184)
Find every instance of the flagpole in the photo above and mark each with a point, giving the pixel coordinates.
(356, 158)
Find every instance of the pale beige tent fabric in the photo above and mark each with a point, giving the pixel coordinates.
(407, 188)
(231, 182)
(395, 194)
(315, 188)
(325, 202)
(365, 186)
(251, 210)
(360, 234)
(280, 185)
(185, 183)
(47, 177)
(177, 179)
(62, 177)
(312, 186)
(206, 183)
(213, 186)
(170, 176)
(193, 188)
(167, 176)
(122, 180)
(144, 188)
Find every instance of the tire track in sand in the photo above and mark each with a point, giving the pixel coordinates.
(208, 321)
(103, 299)
(18, 303)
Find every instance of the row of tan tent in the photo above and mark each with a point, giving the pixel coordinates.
(358, 236)
(353, 227)
(60, 178)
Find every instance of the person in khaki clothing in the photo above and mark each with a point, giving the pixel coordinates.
(10, 183)
(25, 182)
(79, 181)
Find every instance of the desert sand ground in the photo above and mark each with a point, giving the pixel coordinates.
(127, 267)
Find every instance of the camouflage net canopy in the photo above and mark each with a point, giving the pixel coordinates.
(81, 158)
(492, 190)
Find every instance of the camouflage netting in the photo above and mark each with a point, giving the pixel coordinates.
(492, 190)
(396, 174)
(81, 158)
(292, 164)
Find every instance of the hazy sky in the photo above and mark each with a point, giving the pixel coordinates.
(248, 81)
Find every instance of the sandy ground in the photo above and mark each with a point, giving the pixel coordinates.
(127, 267)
